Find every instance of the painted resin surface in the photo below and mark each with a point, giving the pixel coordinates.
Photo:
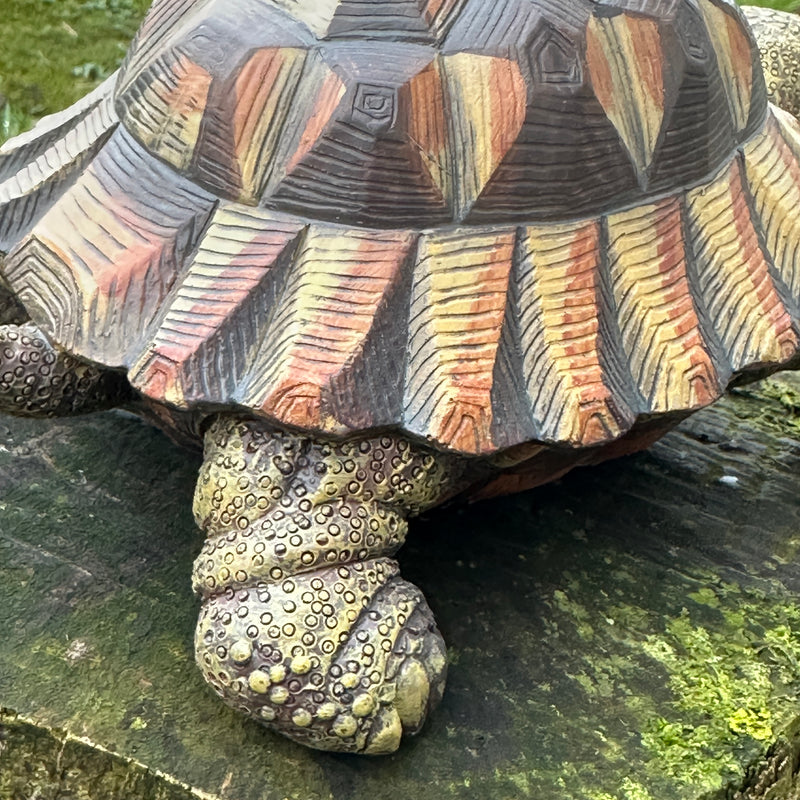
(481, 224)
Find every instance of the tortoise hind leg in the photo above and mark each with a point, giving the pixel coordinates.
(306, 623)
(36, 380)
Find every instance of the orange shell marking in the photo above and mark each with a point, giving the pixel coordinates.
(458, 303)
(732, 48)
(331, 299)
(166, 108)
(626, 63)
(559, 321)
(661, 335)
(269, 108)
(112, 255)
(735, 284)
(773, 174)
(464, 135)
(219, 307)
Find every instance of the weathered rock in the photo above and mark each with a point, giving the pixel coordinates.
(630, 633)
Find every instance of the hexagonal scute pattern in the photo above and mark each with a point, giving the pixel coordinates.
(481, 224)
(404, 113)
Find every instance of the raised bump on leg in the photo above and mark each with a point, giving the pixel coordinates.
(307, 625)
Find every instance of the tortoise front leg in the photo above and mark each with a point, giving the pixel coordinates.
(306, 624)
(36, 380)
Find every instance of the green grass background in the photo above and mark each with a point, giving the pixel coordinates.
(53, 51)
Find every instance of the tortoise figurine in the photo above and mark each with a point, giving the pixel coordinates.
(380, 253)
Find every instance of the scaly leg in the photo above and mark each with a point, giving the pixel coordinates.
(307, 625)
(778, 37)
(36, 380)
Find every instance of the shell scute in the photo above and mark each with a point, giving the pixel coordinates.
(494, 226)
(514, 79)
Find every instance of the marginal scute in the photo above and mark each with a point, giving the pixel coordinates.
(36, 167)
(734, 280)
(109, 251)
(670, 361)
(773, 174)
(570, 388)
(572, 237)
(330, 300)
(215, 315)
(458, 303)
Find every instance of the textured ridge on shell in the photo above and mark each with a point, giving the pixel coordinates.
(144, 242)
(476, 338)
(36, 167)
(392, 113)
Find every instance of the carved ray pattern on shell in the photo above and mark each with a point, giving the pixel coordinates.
(773, 174)
(626, 62)
(165, 106)
(215, 315)
(254, 294)
(36, 167)
(240, 284)
(97, 267)
(458, 301)
(435, 117)
(734, 281)
(670, 360)
(732, 49)
(572, 396)
(462, 152)
(161, 23)
(327, 307)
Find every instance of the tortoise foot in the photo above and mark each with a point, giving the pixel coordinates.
(307, 624)
(346, 659)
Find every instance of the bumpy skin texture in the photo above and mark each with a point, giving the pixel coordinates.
(307, 625)
(778, 37)
(36, 380)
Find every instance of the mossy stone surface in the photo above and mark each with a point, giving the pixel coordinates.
(630, 633)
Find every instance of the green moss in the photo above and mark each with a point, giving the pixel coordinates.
(730, 665)
(40, 763)
(788, 395)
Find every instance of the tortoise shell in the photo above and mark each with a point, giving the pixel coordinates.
(482, 223)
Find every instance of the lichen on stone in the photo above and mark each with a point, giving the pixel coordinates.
(730, 664)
